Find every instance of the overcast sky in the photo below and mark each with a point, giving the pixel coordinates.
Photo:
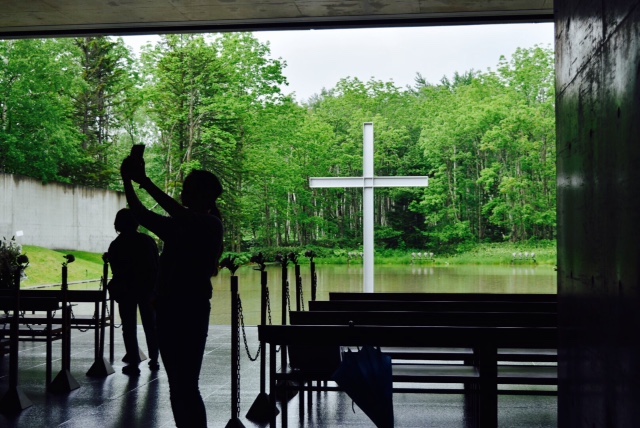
(319, 58)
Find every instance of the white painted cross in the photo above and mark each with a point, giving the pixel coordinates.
(368, 182)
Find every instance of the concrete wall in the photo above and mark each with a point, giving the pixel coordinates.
(598, 145)
(58, 216)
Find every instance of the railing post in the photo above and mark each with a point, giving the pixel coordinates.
(283, 392)
(101, 367)
(14, 400)
(314, 277)
(285, 296)
(263, 321)
(262, 407)
(299, 302)
(64, 381)
(235, 343)
(230, 264)
(293, 257)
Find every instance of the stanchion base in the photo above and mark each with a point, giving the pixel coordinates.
(14, 401)
(262, 409)
(101, 368)
(235, 422)
(290, 387)
(63, 382)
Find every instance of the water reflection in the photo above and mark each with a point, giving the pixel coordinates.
(422, 271)
(405, 278)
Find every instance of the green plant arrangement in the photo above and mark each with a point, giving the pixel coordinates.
(12, 262)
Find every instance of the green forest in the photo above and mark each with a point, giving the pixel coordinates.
(71, 108)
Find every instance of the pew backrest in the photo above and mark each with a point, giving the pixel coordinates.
(7, 303)
(432, 306)
(420, 318)
(468, 297)
(417, 336)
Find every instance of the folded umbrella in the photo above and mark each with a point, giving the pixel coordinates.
(366, 377)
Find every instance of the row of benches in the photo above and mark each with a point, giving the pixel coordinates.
(476, 342)
(42, 318)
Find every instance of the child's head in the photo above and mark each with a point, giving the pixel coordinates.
(125, 221)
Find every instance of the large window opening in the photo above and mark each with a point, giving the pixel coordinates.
(472, 107)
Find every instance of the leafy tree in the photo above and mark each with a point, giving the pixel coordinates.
(205, 94)
(488, 139)
(102, 106)
(38, 82)
(70, 109)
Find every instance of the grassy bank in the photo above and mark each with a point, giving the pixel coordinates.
(45, 265)
(502, 253)
(481, 254)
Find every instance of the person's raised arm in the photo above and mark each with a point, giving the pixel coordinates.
(133, 201)
(135, 171)
(170, 205)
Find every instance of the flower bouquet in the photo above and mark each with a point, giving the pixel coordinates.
(12, 262)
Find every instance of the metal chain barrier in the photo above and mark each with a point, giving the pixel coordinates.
(268, 306)
(109, 316)
(301, 298)
(269, 312)
(22, 315)
(73, 317)
(244, 333)
(288, 297)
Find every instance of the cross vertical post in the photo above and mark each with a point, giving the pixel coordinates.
(368, 182)
(367, 208)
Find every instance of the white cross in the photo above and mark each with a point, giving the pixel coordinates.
(368, 182)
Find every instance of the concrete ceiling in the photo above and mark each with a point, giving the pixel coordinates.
(41, 18)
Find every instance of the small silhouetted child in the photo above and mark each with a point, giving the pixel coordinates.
(134, 261)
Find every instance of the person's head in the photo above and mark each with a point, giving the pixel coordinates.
(200, 191)
(125, 221)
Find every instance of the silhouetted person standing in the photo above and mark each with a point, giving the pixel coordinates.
(192, 238)
(134, 262)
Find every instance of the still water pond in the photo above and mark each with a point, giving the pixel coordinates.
(404, 278)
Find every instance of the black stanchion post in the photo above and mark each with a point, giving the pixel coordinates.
(235, 345)
(314, 281)
(285, 300)
(112, 328)
(294, 258)
(298, 288)
(14, 400)
(64, 381)
(263, 321)
(101, 367)
(314, 277)
(263, 407)
(282, 389)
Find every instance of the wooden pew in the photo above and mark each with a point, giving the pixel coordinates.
(462, 304)
(460, 319)
(486, 341)
(431, 306)
(98, 322)
(440, 318)
(467, 297)
(94, 322)
(322, 361)
(48, 331)
(517, 364)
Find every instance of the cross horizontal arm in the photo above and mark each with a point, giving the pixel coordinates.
(400, 181)
(333, 182)
(326, 182)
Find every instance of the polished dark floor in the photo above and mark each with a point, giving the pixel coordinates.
(120, 401)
